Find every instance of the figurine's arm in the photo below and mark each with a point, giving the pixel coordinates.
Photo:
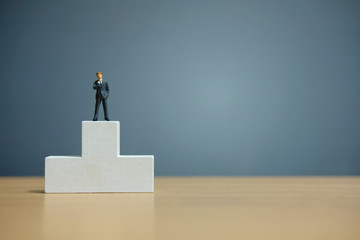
(107, 90)
(95, 85)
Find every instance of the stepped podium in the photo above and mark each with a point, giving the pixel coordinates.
(101, 168)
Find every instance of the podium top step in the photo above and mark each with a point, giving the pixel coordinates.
(100, 139)
(100, 122)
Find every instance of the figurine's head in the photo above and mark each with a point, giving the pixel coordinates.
(99, 75)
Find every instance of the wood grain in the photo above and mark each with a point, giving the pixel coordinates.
(187, 208)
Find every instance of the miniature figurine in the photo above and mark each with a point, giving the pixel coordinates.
(102, 93)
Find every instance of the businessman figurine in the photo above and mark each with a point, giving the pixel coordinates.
(102, 93)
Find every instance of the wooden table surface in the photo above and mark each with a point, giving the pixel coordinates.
(187, 208)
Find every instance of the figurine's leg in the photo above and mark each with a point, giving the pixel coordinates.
(105, 109)
(97, 105)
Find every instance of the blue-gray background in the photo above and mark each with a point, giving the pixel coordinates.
(208, 87)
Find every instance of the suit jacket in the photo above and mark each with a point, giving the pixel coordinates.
(102, 90)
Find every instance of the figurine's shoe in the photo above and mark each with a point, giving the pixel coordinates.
(107, 119)
(94, 119)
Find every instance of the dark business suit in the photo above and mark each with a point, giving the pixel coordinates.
(102, 93)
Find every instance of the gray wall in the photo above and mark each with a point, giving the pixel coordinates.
(208, 87)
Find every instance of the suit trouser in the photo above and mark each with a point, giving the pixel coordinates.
(97, 105)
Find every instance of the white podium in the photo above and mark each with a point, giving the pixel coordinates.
(101, 168)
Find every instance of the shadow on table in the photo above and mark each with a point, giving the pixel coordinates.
(37, 191)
